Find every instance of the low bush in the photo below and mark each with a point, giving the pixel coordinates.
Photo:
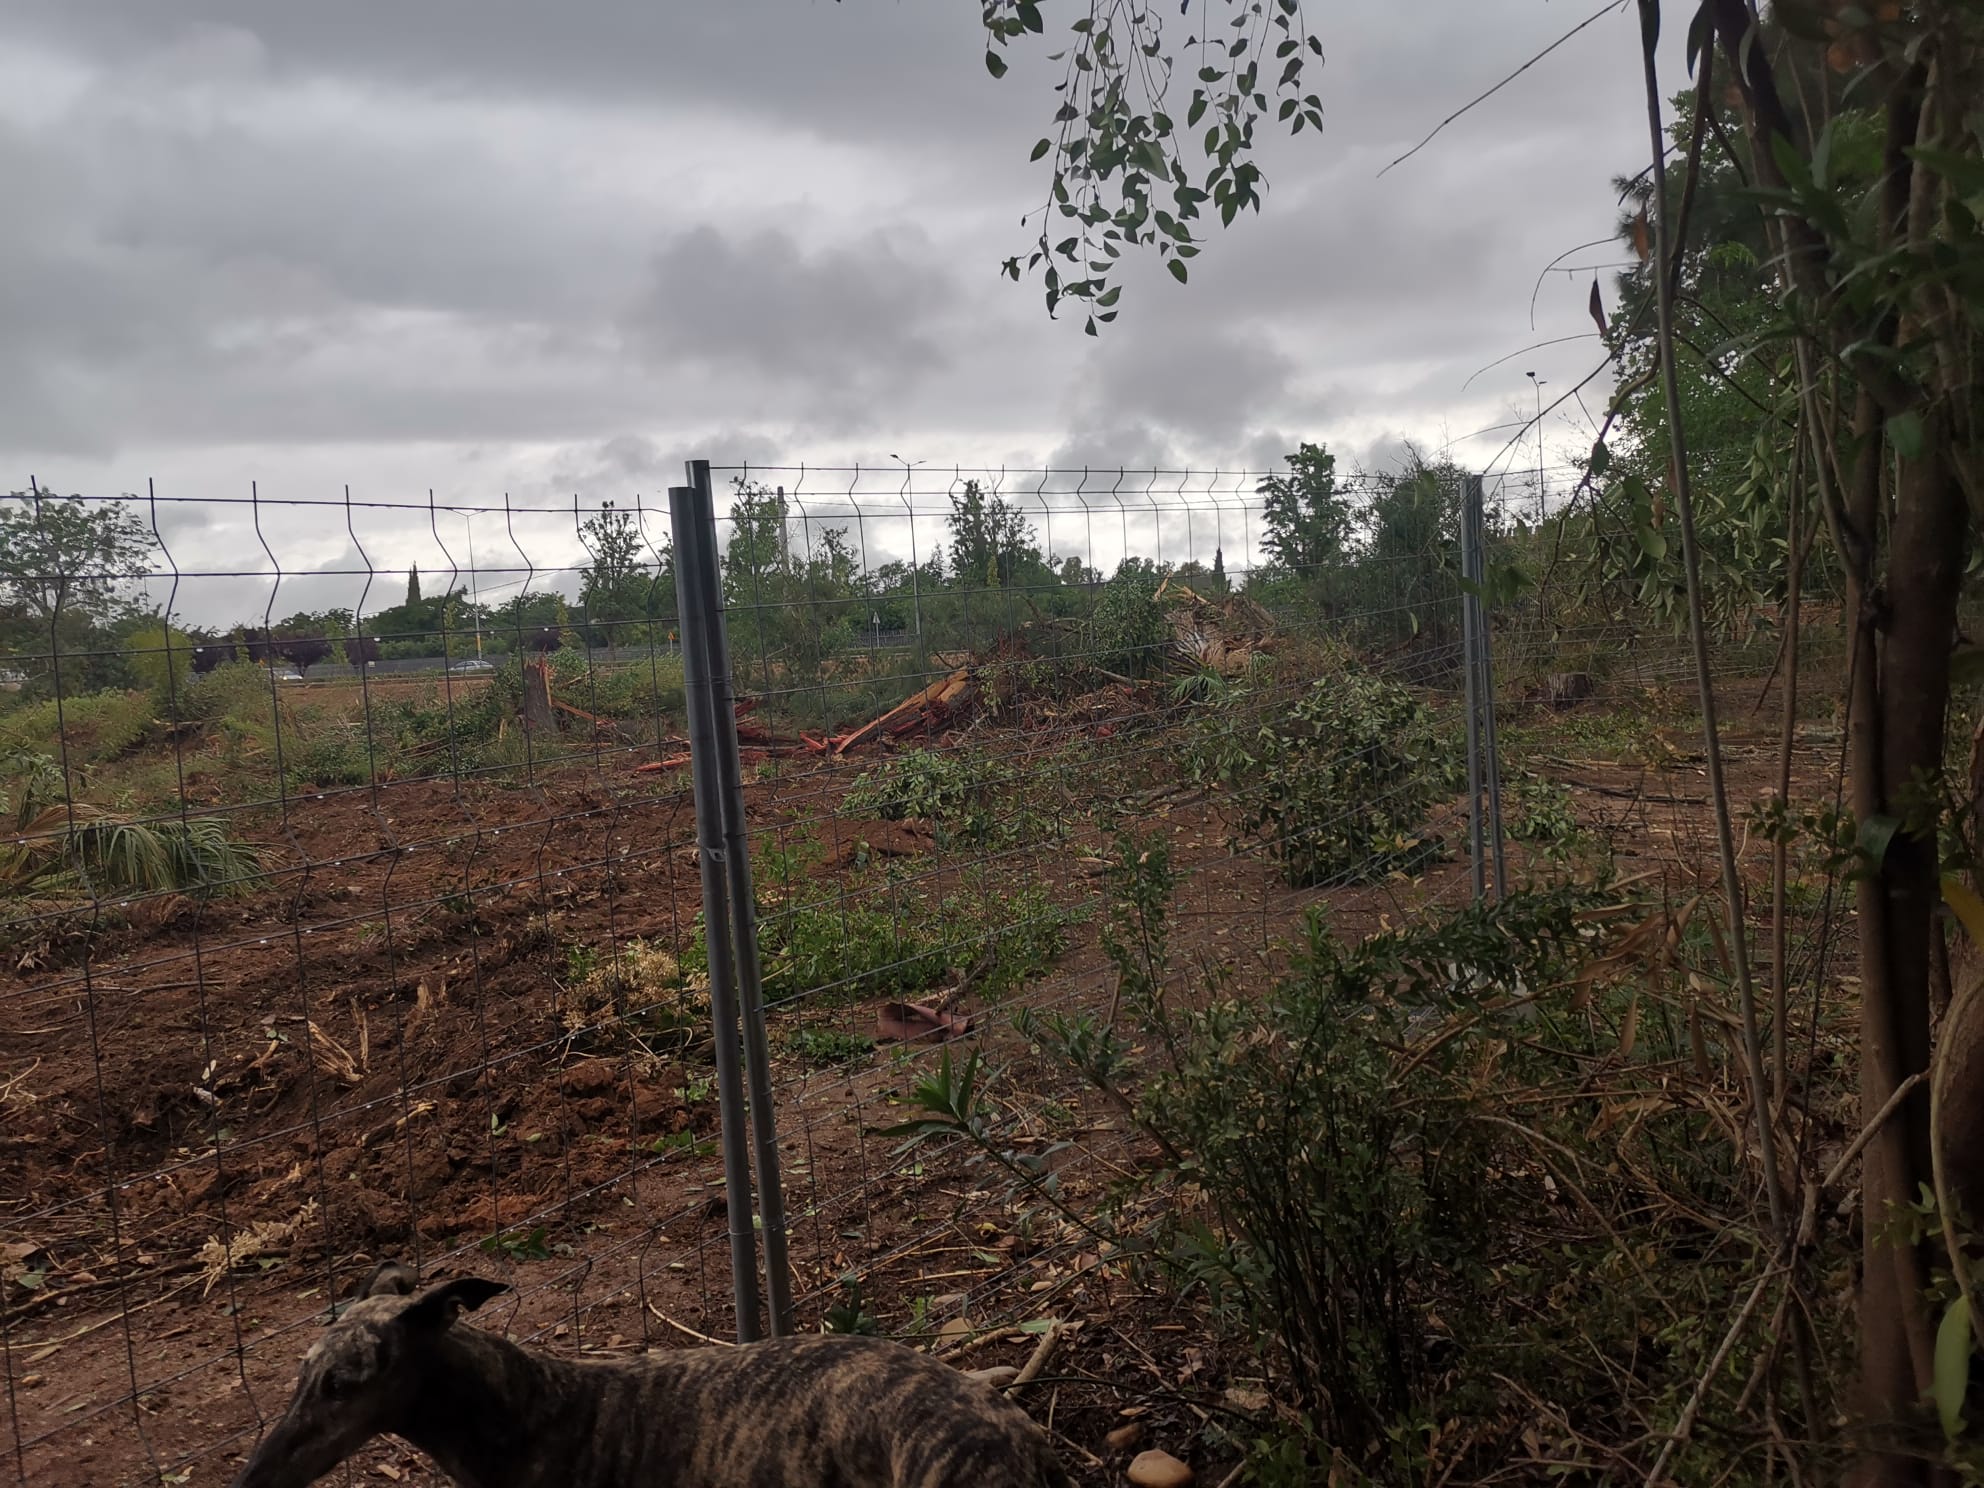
(89, 728)
(972, 799)
(1451, 1181)
(1337, 781)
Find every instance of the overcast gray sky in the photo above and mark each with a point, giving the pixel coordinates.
(483, 246)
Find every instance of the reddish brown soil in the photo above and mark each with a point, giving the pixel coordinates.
(166, 1091)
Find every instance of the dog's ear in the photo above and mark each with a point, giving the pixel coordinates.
(438, 1307)
(390, 1279)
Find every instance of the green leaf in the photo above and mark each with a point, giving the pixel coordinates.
(995, 64)
(1701, 35)
(1905, 434)
(1178, 270)
(1653, 542)
(1966, 172)
(1952, 1377)
(1041, 149)
(1876, 832)
(1601, 458)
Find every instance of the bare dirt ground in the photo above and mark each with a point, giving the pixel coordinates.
(373, 1055)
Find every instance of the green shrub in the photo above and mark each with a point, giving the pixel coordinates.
(928, 783)
(827, 1045)
(1393, 1172)
(327, 760)
(162, 659)
(97, 726)
(1544, 812)
(238, 690)
(1129, 630)
(1338, 782)
(879, 940)
(970, 798)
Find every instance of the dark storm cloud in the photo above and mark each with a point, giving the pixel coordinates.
(837, 326)
(856, 70)
(1204, 381)
(492, 245)
(634, 462)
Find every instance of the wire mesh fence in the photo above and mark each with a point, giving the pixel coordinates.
(355, 904)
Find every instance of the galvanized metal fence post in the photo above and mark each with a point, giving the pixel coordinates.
(1481, 687)
(692, 608)
(1469, 620)
(743, 911)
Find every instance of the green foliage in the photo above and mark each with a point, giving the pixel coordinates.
(1337, 781)
(1119, 153)
(990, 538)
(1136, 935)
(1309, 521)
(882, 939)
(1366, 1169)
(827, 1045)
(519, 1245)
(63, 847)
(1002, 938)
(87, 728)
(69, 556)
(1129, 631)
(620, 590)
(849, 1315)
(325, 759)
(162, 662)
(970, 797)
(1544, 812)
(1357, 1195)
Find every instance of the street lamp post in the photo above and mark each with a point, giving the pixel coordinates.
(1541, 509)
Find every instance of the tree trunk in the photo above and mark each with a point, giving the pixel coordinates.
(1903, 634)
(539, 717)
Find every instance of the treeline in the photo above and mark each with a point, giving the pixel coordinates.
(797, 591)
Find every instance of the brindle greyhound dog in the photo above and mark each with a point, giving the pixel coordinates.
(811, 1412)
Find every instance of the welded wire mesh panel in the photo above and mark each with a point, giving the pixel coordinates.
(352, 902)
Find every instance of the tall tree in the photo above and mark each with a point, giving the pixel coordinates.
(62, 555)
(413, 586)
(990, 538)
(616, 587)
(1887, 284)
(1309, 521)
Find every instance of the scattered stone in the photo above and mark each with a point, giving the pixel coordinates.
(1155, 1469)
(1125, 1437)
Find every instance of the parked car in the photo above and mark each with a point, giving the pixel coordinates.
(289, 674)
(475, 665)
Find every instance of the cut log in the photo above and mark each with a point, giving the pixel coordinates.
(910, 712)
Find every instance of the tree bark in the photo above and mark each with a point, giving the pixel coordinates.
(539, 717)
(1900, 707)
